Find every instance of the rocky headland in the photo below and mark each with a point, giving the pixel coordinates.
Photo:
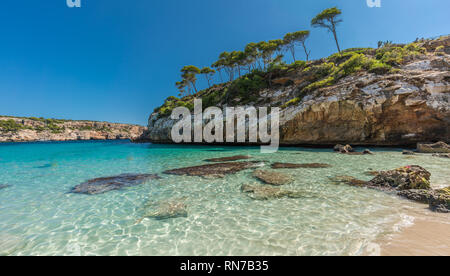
(15, 129)
(396, 95)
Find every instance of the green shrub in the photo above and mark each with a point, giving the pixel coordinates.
(395, 56)
(11, 126)
(320, 84)
(291, 102)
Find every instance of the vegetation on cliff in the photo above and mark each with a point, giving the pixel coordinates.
(261, 65)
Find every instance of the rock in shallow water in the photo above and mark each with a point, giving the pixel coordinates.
(231, 158)
(299, 166)
(166, 209)
(438, 200)
(106, 184)
(439, 147)
(349, 180)
(272, 178)
(264, 192)
(214, 170)
(405, 178)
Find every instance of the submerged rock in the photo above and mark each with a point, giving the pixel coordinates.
(349, 180)
(442, 155)
(300, 166)
(4, 186)
(215, 170)
(106, 184)
(231, 158)
(408, 152)
(166, 209)
(405, 178)
(367, 151)
(264, 192)
(272, 178)
(439, 147)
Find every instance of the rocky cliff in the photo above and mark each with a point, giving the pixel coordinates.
(14, 129)
(397, 95)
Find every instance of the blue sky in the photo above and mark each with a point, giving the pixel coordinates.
(116, 60)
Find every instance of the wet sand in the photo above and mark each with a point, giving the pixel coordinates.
(428, 236)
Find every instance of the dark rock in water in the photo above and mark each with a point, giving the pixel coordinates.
(441, 201)
(343, 149)
(264, 192)
(367, 151)
(422, 196)
(299, 166)
(438, 200)
(4, 186)
(214, 170)
(408, 152)
(442, 155)
(272, 178)
(349, 180)
(106, 184)
(166, 209)
(439, 147)
(405, 178)
(231, 158)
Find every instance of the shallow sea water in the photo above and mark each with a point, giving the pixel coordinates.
(38, 215)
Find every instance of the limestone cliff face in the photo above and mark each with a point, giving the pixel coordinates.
(404, 107)
(13, 129)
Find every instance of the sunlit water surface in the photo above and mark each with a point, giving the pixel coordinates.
(38, 215)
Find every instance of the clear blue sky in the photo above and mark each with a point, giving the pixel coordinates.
(116, 60)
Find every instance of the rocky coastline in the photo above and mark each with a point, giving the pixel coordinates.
(15, 129)
(402, 107)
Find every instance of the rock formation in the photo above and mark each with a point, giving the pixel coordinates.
(406, 105)
(106, 184)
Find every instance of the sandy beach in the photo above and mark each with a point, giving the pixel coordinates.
(429, 235)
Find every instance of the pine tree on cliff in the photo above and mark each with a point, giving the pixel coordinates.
(292, 39)
(328, 19)
(189, 73)
(208, 73)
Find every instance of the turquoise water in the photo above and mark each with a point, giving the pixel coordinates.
(39, 217)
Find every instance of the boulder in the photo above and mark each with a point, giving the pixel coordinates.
(272, 178)
(405, 178)
(299, 166)
(438, 200)
(441, 201)
(408, 152)
(106, 184)
(439, 147)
